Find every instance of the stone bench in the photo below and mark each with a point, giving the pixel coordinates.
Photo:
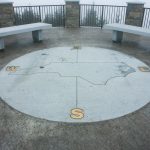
(35, 28)
(118, 30)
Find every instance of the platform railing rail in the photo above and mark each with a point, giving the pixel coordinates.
(99, 15)
(146, 18)
(90, 15)
(53, 14)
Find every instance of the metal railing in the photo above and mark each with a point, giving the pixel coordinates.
(146, 18)
(98, 15)
(53, 14)
(90, 15)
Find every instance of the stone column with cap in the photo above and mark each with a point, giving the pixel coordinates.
(135, 13)
(72, 14)
(6, 13)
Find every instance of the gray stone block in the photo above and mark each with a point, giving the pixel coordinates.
(134, 14)
(6, 14)
(72, 14)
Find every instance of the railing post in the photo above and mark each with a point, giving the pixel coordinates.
(79, 15)
(72, 14)
(64, 15)
(40, 13)
(102, 19)
(143, 16)
(135, 13)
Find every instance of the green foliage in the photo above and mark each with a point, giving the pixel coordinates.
(92, 15)
(17, 19)
(101, 22)
(91, 18)
(48, 18)
(56, 19)
(28, 16)
(117, 18)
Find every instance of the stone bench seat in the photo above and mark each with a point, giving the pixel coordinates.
(118, 30)
(35, 28)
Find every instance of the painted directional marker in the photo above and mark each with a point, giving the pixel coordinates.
(75, 85)
(77, 113)
(144, 69)
(12, 68)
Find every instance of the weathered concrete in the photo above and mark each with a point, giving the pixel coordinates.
(75, 85)
(6, 14)
(135, 13)
(22, 132)
(118, 30)
(117, 36)
(36, 29)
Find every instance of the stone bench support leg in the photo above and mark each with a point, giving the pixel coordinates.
(2, 44)
(117, 36)
(37, 36)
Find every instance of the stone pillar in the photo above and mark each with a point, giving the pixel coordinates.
(72, 14)
(6, 13)
(135, 13)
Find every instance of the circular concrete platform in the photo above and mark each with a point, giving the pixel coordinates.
(75, 85)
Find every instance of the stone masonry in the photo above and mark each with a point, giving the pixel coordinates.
(6, 14)
(72, 14)
(134, 14)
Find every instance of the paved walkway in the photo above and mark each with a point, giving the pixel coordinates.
(22, 132)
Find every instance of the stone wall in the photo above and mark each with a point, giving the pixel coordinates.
(6, 14)
(134, 14)
(72, 14)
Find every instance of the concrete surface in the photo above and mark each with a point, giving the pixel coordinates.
(23, 132)
(128, 29)
(23, 28)
(35, 28)
(75, 85)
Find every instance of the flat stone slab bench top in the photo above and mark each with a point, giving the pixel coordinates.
(128, 29)
(23, 28)
(75, 85)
